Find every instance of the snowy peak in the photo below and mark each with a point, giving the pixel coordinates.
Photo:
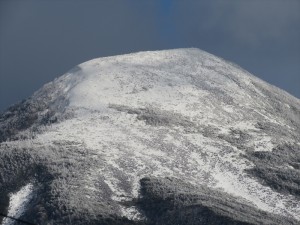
(190, 82)
(132, 73)
(153, 78)
(109, 124)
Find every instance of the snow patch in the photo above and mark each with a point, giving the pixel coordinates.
(264, 144)
(17, 203)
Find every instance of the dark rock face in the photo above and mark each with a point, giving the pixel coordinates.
(171, 201)
(18, 117)
(22, 116)
(33, 112)
(279, 169)
(156, 117)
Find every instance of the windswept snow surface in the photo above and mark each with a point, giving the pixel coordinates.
(17, 204)
(181, 113)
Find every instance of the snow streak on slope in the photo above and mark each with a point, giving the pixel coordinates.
(181, 113)
(17, 203)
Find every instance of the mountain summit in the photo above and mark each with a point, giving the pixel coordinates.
(164, 137)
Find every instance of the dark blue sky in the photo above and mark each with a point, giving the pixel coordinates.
(42, 39)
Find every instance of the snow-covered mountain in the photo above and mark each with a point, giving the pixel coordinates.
(164, 137)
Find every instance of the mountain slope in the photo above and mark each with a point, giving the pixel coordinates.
(85, 141)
